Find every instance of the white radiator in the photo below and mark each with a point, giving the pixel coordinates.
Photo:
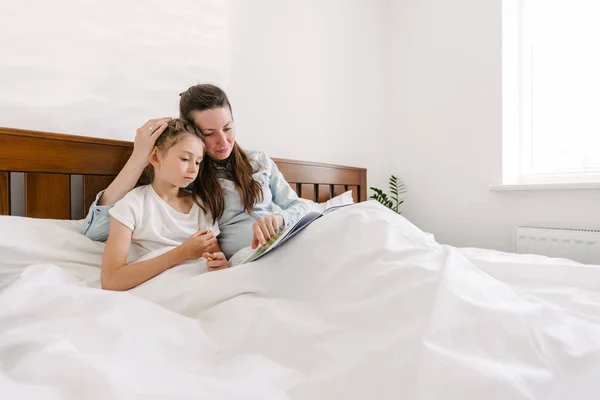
(574, 244)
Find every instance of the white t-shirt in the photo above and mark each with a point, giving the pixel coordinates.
(157, 226)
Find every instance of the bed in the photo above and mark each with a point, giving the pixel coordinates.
(360, 305)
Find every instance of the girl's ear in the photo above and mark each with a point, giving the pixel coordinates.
(153, 158)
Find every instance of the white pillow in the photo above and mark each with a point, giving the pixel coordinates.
(340, 200)
(29, 241)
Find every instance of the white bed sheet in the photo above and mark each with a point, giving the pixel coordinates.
(29, 241)
(360, 305)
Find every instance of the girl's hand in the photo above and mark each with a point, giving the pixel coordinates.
(265, 228)
(215, 261)
(146, 136)
(196, 245)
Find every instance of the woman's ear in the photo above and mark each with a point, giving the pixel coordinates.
(153, 158)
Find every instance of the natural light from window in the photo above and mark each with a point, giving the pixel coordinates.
(551, 91)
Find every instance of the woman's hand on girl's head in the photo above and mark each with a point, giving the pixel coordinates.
(146, 136)
(265, 228)
(142, 147)
(215, 261)
(196, 245)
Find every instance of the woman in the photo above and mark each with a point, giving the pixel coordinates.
(250, 197)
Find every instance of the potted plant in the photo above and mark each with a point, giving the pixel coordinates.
(394, 201)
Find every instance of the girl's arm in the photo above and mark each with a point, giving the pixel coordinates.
(118, 275)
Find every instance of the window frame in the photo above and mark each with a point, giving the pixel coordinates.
(517, 98)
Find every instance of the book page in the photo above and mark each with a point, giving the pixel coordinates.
(284, 235)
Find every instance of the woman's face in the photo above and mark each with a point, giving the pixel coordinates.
(218, 131)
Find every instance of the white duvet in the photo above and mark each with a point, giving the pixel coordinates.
(360, 305)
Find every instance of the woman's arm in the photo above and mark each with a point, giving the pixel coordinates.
(97, 221)
(143, 144)
(293, 207)
(118, 275)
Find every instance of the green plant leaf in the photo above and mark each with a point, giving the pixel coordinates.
(392, 201)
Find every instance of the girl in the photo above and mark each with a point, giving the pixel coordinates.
(161, 225)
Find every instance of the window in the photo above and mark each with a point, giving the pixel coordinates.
(551, 91)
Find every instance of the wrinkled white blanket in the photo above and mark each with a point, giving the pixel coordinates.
(360, 305)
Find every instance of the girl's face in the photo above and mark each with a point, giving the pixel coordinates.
(180, 163)
(218, 131)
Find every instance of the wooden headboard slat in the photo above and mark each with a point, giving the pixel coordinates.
(48, 196)
(4, 193)
(48, 160)
(307, 191)
(324, 193)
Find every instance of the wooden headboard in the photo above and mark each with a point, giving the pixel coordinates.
(48, 160)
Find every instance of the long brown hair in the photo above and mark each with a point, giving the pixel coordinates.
(209, 97)
(176, 129)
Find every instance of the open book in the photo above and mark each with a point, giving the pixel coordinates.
(283, 236)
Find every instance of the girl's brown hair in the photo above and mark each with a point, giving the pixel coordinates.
(176, 129)
(209, 97)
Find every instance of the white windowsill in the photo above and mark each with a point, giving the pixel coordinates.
(546, 186)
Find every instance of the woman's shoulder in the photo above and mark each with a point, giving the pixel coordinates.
(259, 159)
(256, 155)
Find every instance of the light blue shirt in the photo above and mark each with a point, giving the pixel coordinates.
(235, 224)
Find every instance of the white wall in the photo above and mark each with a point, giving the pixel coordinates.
(104, 68)
(305, 77)
(445, 99)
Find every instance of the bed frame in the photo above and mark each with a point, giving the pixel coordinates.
(49, 159)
